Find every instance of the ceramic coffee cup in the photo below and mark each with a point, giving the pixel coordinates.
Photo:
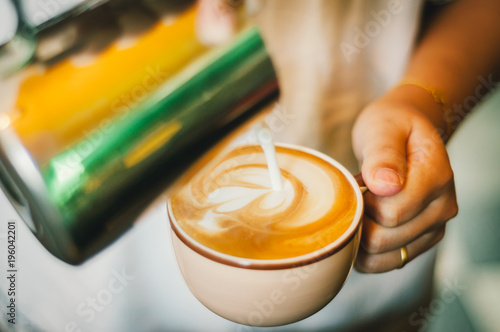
(269, 292)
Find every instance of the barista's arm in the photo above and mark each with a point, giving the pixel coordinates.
(458, 59)
(404, 162)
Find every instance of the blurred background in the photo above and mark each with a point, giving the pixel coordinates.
(108, 293)
(469, 255)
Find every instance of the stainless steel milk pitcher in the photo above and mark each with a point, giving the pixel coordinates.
(98, 124)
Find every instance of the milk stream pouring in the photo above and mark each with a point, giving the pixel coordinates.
(96, 129)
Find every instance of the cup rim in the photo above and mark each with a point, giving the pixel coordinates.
(281, 263)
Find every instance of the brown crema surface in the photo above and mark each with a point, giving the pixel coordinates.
(233, 209)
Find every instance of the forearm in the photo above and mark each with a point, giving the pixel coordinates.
(457, 59)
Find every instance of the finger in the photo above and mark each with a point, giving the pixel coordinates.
(429, 176)
(378, 263)
(376, 239)
(381, 150)
(216, 21)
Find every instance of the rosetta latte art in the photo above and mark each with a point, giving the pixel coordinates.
(234, 210)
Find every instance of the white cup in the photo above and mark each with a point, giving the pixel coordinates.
(269, 292)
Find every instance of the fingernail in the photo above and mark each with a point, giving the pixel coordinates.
(389, 176)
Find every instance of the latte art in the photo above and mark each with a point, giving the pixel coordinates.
(233, 208)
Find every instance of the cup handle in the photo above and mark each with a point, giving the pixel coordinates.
(359, 179)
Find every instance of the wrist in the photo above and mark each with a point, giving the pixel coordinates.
(428, 101)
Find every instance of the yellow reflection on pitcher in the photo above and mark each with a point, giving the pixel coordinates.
(57, 106)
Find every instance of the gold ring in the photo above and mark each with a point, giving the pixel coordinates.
(404, 257)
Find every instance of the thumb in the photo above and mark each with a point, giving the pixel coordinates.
(381, 148)
(216, 21)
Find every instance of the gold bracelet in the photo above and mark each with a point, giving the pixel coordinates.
(438, 97)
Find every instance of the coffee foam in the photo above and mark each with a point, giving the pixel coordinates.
(233, 208)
